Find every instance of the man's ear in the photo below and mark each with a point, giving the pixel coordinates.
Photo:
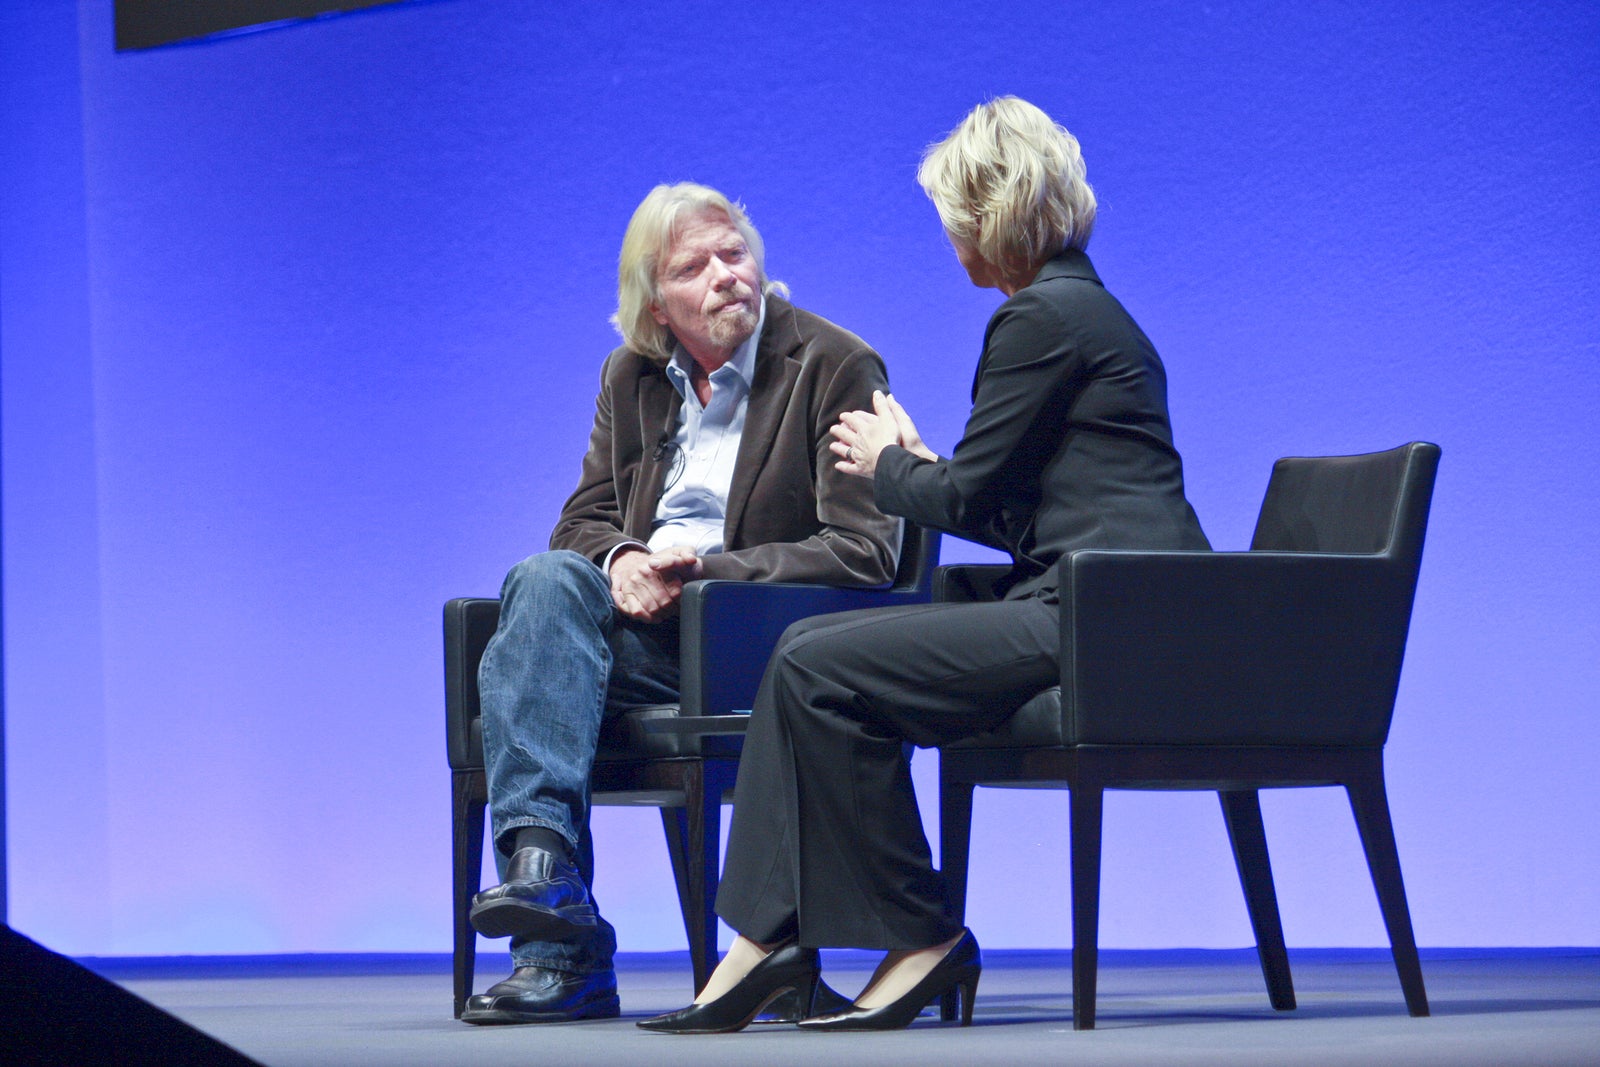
(657, 314)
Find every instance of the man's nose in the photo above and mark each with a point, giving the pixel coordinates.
(722, 277)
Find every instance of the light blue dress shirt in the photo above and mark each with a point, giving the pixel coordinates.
(704, 447)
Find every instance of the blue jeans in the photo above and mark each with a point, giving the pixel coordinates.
(560, 664)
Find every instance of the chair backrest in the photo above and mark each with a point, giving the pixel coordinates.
(1368, 505)
(1298, 642)
(1373, 504)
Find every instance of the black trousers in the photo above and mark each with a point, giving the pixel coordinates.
(826, 840)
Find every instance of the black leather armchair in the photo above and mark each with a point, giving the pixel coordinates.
(1236, 672)
(681, 758)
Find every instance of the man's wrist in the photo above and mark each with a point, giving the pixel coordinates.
(621, 550)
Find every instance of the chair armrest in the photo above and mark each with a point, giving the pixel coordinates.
(698, 725)
(469, 622)
(967, 583)
(728, 632)
(729, 629)
(1231, 648)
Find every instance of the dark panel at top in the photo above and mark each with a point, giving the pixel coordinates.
(150, 23)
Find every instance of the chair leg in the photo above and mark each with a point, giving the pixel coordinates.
(718, 781)
(1242, 810)
(955, 840)
(694, 833)
(1086, 805)
(1370, 803)
(469, 798)
(675, 824)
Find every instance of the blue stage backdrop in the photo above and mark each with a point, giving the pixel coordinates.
(301, 331)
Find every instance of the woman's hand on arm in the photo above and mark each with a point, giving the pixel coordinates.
(861, 436)
(910, 439)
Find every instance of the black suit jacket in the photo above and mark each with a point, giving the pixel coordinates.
(1068, 445)
(791, 516)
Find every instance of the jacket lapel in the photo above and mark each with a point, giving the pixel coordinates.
(775, 377)
(658, 411)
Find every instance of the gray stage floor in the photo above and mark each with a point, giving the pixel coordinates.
(1491, 1008)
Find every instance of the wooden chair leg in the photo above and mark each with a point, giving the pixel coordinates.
(1086, 806)
(718, 781)
(675, 824)
(1370, 803)
(955, 840)
(1242, 811)
(469, 798)
(693, 835)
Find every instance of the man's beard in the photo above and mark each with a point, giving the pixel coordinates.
(731, 327)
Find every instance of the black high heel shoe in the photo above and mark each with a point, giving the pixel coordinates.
(787, 967)
(959, 969)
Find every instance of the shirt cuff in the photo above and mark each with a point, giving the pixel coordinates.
(606, 564)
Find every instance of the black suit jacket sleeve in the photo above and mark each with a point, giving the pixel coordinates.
(1032, 360)
(1029, 362)
(1068, 444)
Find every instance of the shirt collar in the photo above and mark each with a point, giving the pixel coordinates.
(742, 363)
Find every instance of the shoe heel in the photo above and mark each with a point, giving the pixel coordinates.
(969, 997)
(808, 994)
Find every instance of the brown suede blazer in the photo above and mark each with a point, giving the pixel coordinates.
(791, 516)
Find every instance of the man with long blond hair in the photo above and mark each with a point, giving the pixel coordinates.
(709, 457)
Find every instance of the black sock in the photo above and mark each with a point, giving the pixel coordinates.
(545, 838)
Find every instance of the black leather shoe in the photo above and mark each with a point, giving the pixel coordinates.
(543, 897)
(784, 968)
(958, 970)
(537, 995)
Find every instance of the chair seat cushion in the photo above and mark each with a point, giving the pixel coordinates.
(625, 737)
(1041, 723)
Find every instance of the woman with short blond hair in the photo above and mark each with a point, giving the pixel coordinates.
(1068, 446)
